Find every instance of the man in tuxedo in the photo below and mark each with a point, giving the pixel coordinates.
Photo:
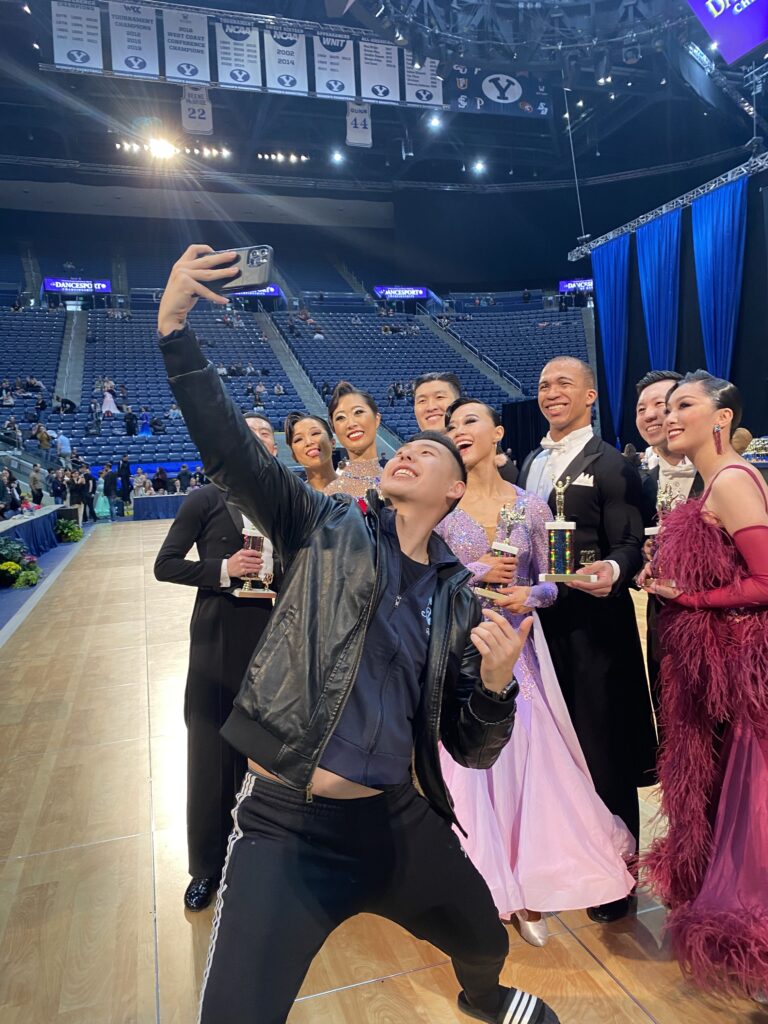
(224, 632)
(110, 489)
(666, 475)
(591, 629)
(124, 472)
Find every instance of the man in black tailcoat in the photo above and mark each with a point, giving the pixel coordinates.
(667, 476)
(591, 629)
(224, 632)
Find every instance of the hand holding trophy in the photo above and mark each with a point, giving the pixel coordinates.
(254, 541)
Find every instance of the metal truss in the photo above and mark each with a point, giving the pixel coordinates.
(753, 166)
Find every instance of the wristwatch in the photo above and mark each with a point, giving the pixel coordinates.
(504, 695)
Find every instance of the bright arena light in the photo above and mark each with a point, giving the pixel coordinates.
(435, 121)
(479, 166)
(337, 156)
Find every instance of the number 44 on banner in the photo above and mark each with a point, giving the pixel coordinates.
(359, 129)
(196, 110)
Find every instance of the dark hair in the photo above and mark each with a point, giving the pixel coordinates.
(466, 400)
(654, 377)
(344, 388)
(295, 417)
(444, 378)
(258, 416)
(723, 394)
(586, 369)
(446, 442)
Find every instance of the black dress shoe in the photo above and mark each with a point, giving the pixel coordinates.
(610, 911)
(200, 892)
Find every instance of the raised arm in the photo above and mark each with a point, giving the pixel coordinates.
(272, 496)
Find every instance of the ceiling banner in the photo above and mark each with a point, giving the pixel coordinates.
(285, 59)
(133, 35)
(238, 54)
(334, 66)
(186, 46)
(422, 86)
(76, 35)
(379, 72)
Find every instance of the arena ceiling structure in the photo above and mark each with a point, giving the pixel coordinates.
(633, 88)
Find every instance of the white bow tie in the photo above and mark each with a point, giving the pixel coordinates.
(553, 446)
(680, 472)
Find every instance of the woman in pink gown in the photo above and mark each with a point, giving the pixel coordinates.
(537, 830)
(711, 868)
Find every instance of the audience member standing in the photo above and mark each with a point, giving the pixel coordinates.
(110, 490)
(124, 472)
(36, 484)
(591, 630)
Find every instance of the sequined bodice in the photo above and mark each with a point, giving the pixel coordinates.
(356, 479)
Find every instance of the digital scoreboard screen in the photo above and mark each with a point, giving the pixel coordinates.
(737, 26)
(396, 291)
(76, 286)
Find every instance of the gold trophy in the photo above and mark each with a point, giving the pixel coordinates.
(254, 541)
(500, 549)
(666, 500)
(561, 531)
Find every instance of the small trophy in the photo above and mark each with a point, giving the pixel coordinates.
(665, 502)
(561, 531)
(500, 549)
(254, 541)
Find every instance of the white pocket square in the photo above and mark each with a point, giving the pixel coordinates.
(583, 481)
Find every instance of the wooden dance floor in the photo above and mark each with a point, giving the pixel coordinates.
(92, 844)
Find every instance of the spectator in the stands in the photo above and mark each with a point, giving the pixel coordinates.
(318, 337)
(90, 494)
(250, 369)
(304, 314)
(148, 488)
(131, 421)
(16, 307)
(160, 480)
(260, 389)
(123, 394)
(157, 426)
(526, 295)
(36, 483)
(77, 494)
(63, 447)
(237, 320)
(391, 395)
(7, 398)
(199, 476)
(320, 297)
(356, 320)
(40, 405)
(279, 389)
(325, 391)
(124, 474)
(41, 435)
(33, 384)
(13, 431)
(221, 369)
(68, 406)
(184, 477)
(562, 304)
(139, 482)
(476, 300)
(57, 486)
(90, 337)
(174, 413)
(5, 497)
(258, 402)
(75, 459)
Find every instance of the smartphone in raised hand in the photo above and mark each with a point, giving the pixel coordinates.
(255, 264)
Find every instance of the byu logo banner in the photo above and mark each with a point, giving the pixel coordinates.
(334, 66)
(485, 91)
(133, 33)
(196, 110)
(186, 46)
(76, 35)
(379, 72)
(238, 54)
(285, 60)
(422, 86)
(359, 127)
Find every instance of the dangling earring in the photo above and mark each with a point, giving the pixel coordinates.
(716, 430)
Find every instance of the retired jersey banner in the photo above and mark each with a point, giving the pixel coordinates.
(285, 57)
(422, 86)
(133, 34)
(76, 35)
(196, 110)
(186, 46)
(359, 127)
(334, 66)
(379, 72)
(238, 54)
(485, 91)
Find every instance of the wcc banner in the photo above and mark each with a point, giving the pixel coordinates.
(285, 58)
(334, 66)
(379, 72)
(133, 35)
(238, 54)
(422, 86)
(485, 91)
(76, 35)
(186, 46)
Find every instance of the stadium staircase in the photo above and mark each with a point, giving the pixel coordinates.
(514, 390)
(349, 276)
(69, 379)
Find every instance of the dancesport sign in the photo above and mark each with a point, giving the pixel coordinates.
(396, 291)
(577, 284)
(75, 286)
(737, 26)
(269, 291)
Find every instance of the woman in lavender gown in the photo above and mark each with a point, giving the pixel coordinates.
(537, 830)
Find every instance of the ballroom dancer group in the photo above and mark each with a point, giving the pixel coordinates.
(524, 715)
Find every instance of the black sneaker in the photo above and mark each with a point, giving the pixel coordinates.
(200, 892)
(517, 1007)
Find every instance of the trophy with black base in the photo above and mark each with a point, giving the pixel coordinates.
(254, 541)
(560, 533)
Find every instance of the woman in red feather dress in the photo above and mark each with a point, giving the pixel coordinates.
(711, 569)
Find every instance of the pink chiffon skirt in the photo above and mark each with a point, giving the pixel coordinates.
(538, 832)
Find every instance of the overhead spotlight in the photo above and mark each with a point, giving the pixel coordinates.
(337, 157)
(293, 158)
(135, 147)
(713, 45)
(608, 78)
(146, 147)
(629, 85)
(601, 67)
(280, 158)
(381, 10)
(273, 156)
(612, 96)
(580, 104)
(418, 49)
(435, 121)
(215, 152)
(479, 167)
(601, 81)
(35, 46)
(631, 52)
(196, 152)
(226, 153)
(187, 150)
(26, 9)
(206, 151)
(118, 146)
(304, 158)
(663, 81)
(161, 149)
(566, 116)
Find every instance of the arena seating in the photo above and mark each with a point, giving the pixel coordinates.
(502, 302)
(522, 342)
(11, 276)
(30, 344)
(373, 361)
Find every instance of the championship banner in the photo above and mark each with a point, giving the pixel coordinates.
(359, 127)
(422, 86)
(186, 46)
(285, 58)
(76, 35)
(133, 32)
(484, 91)
(238, 54)
(334, 66)
(379, 73)
(196, 110)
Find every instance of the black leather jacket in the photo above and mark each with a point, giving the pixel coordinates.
(307, 659)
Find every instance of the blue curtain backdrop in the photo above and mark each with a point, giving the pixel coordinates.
(658, 261)
(719, 232)
(610, 271)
